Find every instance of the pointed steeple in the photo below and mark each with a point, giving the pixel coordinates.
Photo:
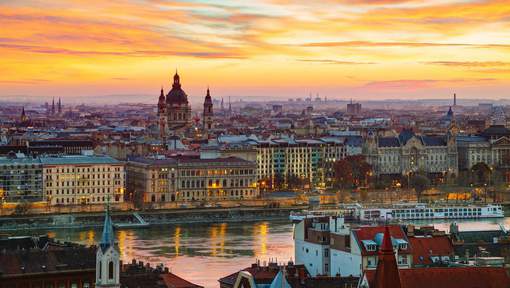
(208, 98)
(177, 80)
(23, 117)
(450, 112)
(162, 95)
(107, 238)
(386, 274)
(107, 256)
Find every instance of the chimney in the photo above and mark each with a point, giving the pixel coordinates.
(302, 277)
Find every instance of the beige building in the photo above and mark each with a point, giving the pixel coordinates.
(72, 180)
(491, 147)
(183, 179)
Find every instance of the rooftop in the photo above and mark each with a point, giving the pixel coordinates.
(79, 159)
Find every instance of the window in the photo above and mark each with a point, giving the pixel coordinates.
(110, 270)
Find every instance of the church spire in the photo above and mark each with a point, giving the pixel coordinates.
(107, 256)
(386, 274)
(23, 115)
(107, 238)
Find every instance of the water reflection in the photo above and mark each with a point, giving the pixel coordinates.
(203, 253)
(200, 252)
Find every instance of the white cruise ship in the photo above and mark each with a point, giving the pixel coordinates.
(422, 211)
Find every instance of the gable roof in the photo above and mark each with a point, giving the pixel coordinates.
(449, 277)
(405, 135)
(173, 281)
(426, 247)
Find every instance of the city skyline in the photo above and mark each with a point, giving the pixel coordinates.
(338, 49)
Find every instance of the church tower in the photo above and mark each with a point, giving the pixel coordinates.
(178, 109)
(53, 107)
(107, 257)
(23, 117)
(162, 115)
(59, 107)
(207, 121)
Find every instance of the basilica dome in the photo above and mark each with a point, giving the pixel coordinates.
(177, 96)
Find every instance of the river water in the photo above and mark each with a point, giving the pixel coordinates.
(203, 253)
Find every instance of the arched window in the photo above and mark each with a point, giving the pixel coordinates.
(110, 270)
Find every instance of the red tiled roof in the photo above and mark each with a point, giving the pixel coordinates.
(369, 232)
(174, 281)
(260, 275)
(266, 274)
(425, 247)
(450, 277)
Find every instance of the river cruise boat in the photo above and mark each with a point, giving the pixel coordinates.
(297, 217)
(425, 212)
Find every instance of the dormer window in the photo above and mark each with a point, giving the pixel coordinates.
(402, 246)
(369, 245)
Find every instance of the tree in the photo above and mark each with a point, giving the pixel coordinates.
(420, 183)
(352, 171)
(22, 208)
(295, 182)
(481, 173)
(343, 173)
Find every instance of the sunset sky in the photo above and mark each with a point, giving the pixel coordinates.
(365, 49)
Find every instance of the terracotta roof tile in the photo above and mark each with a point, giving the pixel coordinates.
(174, 281)
(425, 247)
(450, 277)
(369, 233)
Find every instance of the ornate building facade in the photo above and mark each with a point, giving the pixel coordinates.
(491, 148)
(183, 179)
(409, 153)
(174, 110)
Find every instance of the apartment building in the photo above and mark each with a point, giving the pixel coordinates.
(20, 178)
(327, 246)
(83, 179)
(286, 159)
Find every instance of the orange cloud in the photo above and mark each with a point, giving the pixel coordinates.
(115, 47)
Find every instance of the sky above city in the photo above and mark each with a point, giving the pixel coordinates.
(342, 49)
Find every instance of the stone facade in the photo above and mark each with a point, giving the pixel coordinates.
(183, 179)
(410, 153)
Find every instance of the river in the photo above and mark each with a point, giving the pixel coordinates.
(203, 253)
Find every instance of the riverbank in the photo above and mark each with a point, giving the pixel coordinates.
(152, 218)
